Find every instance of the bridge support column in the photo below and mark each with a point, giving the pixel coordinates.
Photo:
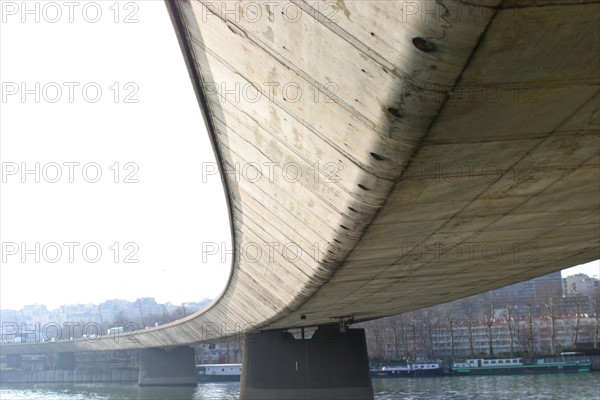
(175, 366)
(332, 365)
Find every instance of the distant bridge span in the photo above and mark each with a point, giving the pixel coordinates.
(414, 156)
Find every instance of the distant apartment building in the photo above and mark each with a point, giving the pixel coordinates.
(580, 285)
(535, 337)
(532, 292)
(547, 314)
(35, 312)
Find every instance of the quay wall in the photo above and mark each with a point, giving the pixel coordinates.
(84, 375)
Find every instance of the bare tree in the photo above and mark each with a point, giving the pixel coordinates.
(575, 336)
(510, 323)
(530, 330)
(450, 314)
(549, 298)
(405, 332)
(431, 324)
(489, 322)
(526, 332)
(416, 333)
(121, 319)
(397, 327)
(379, 339)
(596, 300)
(468, 309)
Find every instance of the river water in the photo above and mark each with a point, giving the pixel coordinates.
(582, 386)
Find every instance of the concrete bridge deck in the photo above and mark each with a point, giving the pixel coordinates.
(412, 153)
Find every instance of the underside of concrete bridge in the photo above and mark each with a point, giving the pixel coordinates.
(383, 156)
(411, 153)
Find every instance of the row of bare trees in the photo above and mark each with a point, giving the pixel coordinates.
(484, 323)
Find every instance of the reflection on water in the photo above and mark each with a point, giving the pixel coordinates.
(584, 386)
(209, 391)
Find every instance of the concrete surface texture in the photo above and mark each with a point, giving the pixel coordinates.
(410, 153)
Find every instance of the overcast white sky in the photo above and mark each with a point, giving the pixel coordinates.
(166, 215)
(146, 119)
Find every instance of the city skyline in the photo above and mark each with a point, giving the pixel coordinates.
(592, 269)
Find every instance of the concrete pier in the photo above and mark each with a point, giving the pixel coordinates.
(174, 366)
(65, 361)
(14, 361)
(331, 365)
